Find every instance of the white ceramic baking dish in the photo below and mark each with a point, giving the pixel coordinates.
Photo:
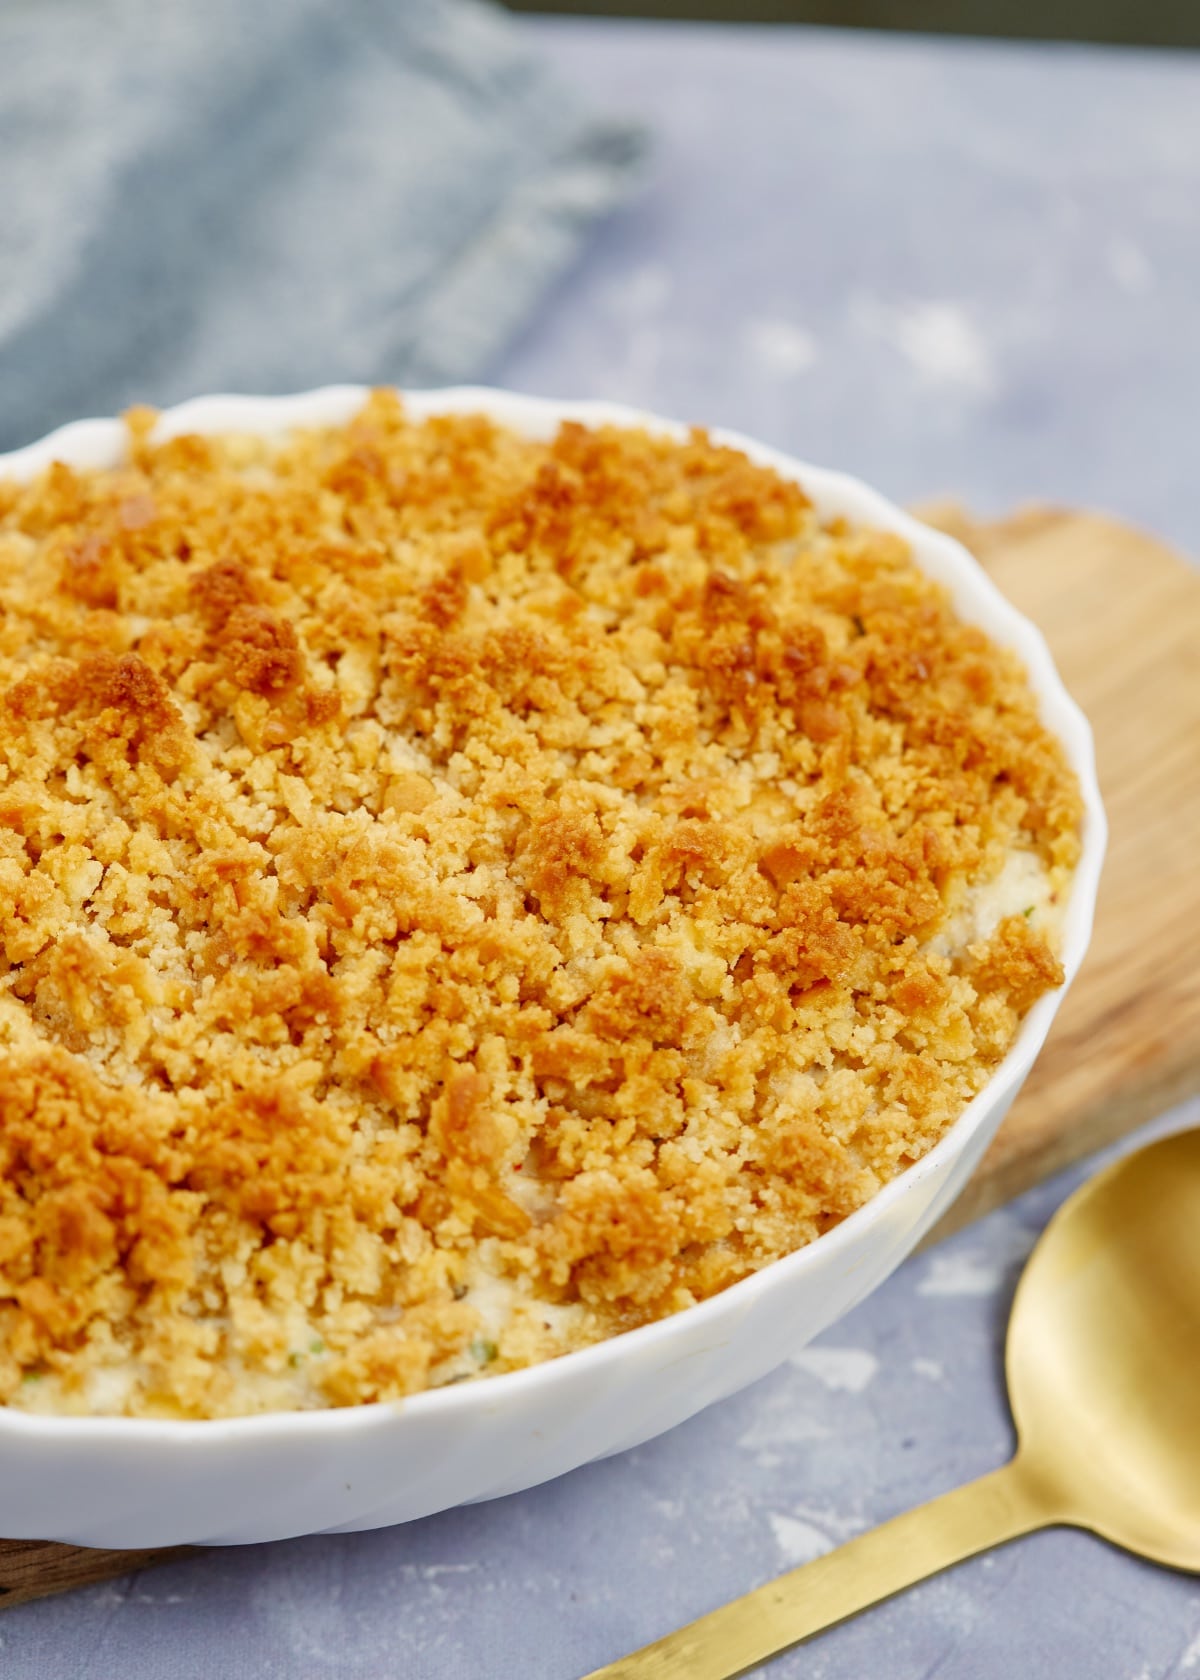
(133, 1482)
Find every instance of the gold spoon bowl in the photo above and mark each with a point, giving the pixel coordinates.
(1103, 1367)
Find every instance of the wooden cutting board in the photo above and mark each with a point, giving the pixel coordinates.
(1122, 615)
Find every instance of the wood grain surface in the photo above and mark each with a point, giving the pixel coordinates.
(36, 1568)
(1122, 616)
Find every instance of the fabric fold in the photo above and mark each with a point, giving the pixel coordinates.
(218, 197)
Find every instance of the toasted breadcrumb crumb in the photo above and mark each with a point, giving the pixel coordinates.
(463, 896)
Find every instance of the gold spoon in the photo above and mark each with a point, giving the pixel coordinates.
(1103, 1364)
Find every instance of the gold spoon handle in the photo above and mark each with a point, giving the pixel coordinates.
(727, 1642)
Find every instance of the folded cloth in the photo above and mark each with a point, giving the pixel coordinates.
(208, 195)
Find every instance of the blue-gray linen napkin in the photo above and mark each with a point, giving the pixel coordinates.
(202, 195)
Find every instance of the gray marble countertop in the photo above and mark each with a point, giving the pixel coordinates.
(947, 267)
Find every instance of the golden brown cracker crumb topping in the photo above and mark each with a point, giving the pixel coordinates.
(439, 868)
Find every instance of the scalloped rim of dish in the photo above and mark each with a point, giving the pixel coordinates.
(100, 443)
